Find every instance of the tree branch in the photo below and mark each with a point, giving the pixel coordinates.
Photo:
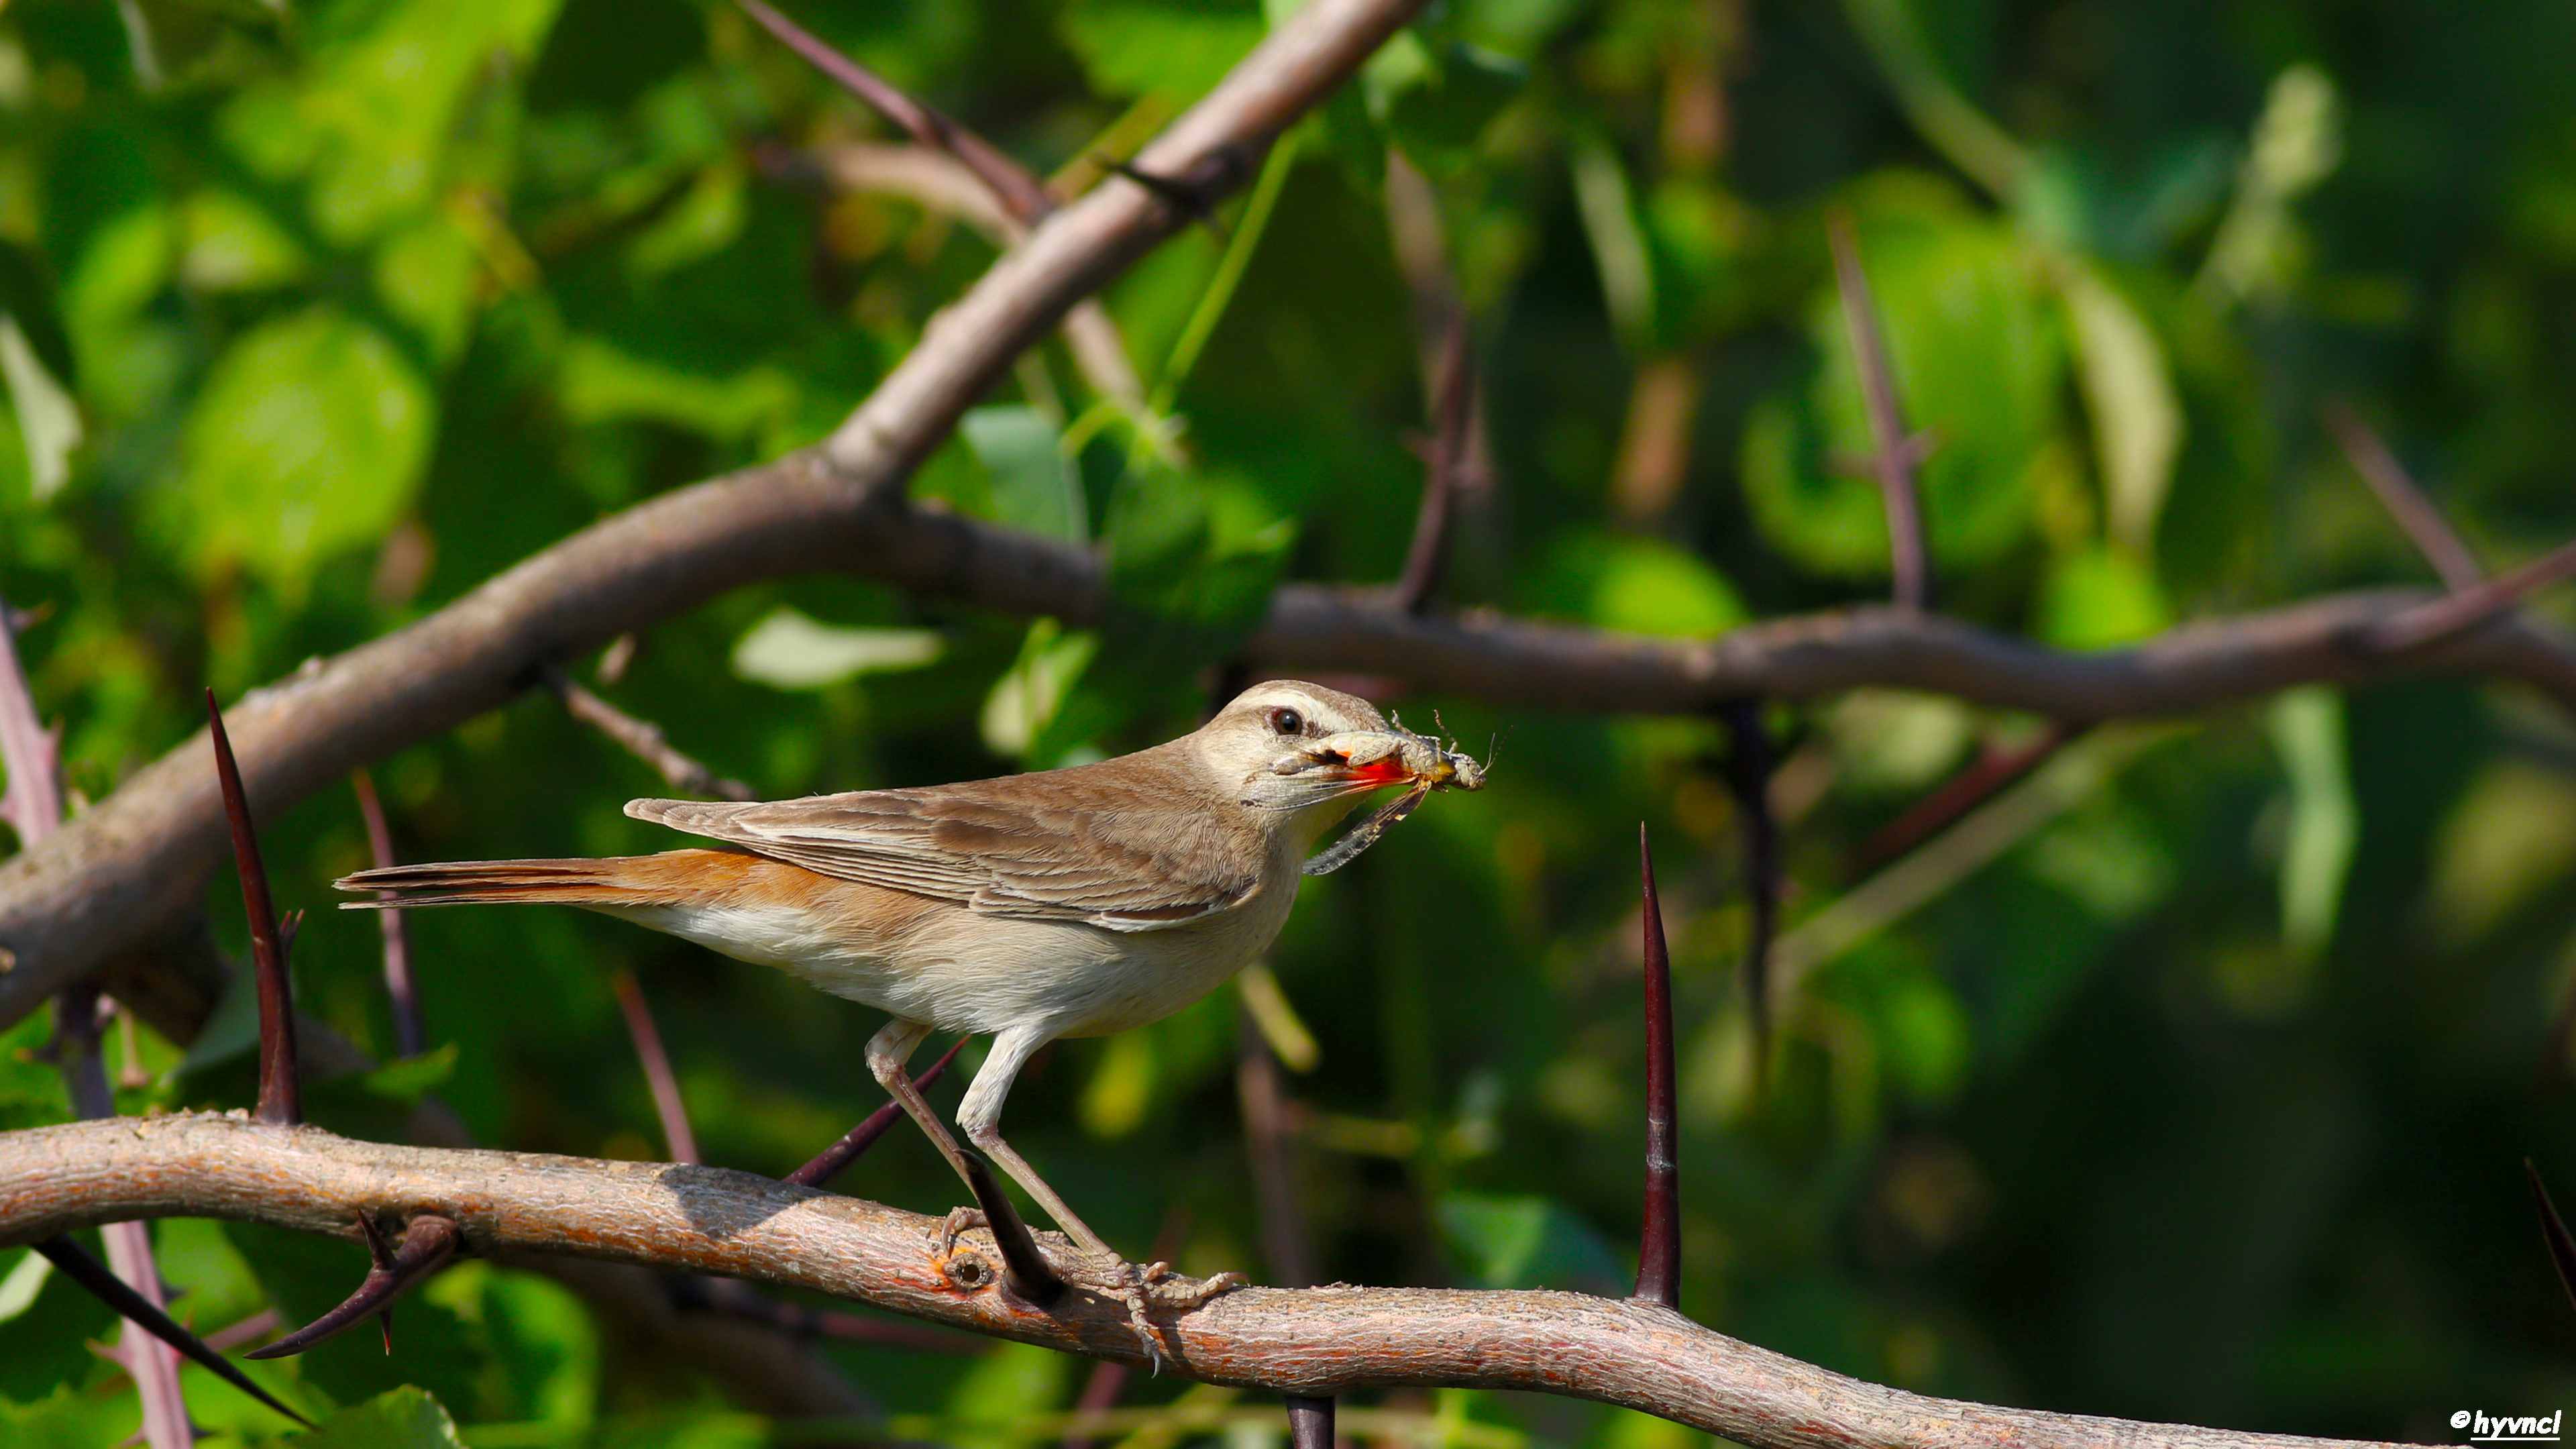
(1305, 1342)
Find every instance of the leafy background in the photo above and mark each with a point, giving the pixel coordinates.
(2195, 1087)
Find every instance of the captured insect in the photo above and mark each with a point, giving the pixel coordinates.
(1368, 760)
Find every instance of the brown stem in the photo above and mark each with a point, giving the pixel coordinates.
(409, 1040)
(1748, 780)
(281, 1091)
(1310, 1422)
(644, 740)
(1444, 460)
(1009, 181)
(2469, 607)
(1659, 1241)
(427, 1244)
(828, 1163)
(77, 1264)
(681, 1142)
(1994, 771)
(1892, 451)
(2413, 511)
(712, 1221)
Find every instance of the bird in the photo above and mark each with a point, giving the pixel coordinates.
(1073, 902)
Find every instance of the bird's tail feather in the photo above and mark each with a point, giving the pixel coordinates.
(636, 880)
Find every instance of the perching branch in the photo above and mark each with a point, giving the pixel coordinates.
(1308, 1342)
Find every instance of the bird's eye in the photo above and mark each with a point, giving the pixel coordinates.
(1287, 721)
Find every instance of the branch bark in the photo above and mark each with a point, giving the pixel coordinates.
(1308, 1342)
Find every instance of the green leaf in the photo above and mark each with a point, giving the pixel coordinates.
(1034, 485)
(67, 1419)
(309, 438)
(601, 383)
(1178, 48)
(403, 1418)
(229, 244)
(2306, 725)
(787, 650)
(2098, 597)
(1527, 1242)
(49, 422)
(1440, 117)
(1634, 585)
(2137, 419)
(24, 1280)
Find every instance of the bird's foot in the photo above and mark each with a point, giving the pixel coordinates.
(1142, 1288)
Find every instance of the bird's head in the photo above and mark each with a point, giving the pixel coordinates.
(1309, 754)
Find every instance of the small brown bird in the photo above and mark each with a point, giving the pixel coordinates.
(1074, 902)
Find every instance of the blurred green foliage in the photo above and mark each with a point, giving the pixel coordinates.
(2187, 1081)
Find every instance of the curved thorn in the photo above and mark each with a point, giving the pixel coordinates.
(1659, 1241)
(1024, 1268)
(103, 1284)
(828, 1163)
(281, 1095)
(427, 1244)
(1310, 1421)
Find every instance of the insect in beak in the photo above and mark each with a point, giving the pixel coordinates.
(1396, 757)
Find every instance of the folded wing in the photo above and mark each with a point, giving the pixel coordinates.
(1121, 854)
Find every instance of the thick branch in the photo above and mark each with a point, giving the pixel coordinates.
(1311, 1342)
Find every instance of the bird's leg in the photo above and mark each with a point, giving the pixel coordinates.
(888, 1050)
(980, 1114)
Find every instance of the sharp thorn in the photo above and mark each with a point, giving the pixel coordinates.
(77, 1264)
(1659, 1240)
(427, 1244)
(281, 1096)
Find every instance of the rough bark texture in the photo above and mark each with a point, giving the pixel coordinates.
(1311, 1341)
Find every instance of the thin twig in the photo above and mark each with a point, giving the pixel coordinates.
(645, 741)
(409, 1039)
(1748, 780)
(281, 1091)
(2414, 512)
(828, 1163)
(1892, 451)
(1011, 182)
(1659, 1240)
(1994, 771)
(1444, 462)
(2472, 606)
(711, 1221)
(677, 1139)
(146, 1354)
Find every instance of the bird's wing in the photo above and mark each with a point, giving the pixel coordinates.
(1119, 855)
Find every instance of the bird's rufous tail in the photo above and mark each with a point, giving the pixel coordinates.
(630, 880)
